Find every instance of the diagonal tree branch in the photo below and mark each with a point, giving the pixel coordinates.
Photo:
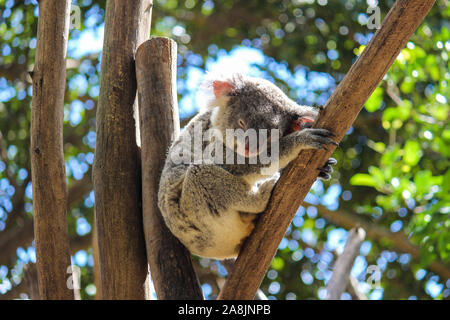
(338, 115)
(352, 288)
(344, 263)
(399, 240)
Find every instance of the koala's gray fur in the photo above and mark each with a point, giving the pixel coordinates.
(211, 207)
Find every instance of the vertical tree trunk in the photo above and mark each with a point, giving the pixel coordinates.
(338, 115)
(47, 156)
(170, 262)
(116, 172)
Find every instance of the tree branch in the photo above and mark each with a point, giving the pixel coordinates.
(344, 264)
(30, 278)
(399, 240)
(170, 262)
(47, 156)
(352, 288)
(116, 170)
(338, 115)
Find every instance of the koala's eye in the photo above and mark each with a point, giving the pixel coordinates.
(241, 123)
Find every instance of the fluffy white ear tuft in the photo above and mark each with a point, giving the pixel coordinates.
(216, 89)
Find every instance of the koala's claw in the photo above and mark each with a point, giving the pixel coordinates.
(322, 132)
(327, 169)
(319, 138)
(324, 176)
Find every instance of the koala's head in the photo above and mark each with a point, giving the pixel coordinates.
(247, 104)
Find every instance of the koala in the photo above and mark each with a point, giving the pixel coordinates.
(210, 203)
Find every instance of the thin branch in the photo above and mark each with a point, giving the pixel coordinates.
(398, 240)
(338, 115)
(30, 277)
(344, 264)
(352, 288)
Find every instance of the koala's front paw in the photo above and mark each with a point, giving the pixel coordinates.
(327, 169)
(316, 138)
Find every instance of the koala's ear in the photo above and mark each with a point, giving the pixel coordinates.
(222, 88)
(216, 90)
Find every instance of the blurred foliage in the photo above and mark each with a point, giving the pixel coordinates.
(393, 171)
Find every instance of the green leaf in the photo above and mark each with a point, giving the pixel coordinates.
(423, 181)
(412, 152)
(407, 85)
(404, 110)
(362, 179)
(390, 114)
(379, 147)
(278, 263)
(309, 224)
(390, 156)
(377, 175)
(375, 101)
(446, 182)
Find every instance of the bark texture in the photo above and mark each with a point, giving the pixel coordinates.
(47, 156)
(97, 275)
(338, 115)
(31, 280)
(170, 262)
(344, 263)
(116, 170)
